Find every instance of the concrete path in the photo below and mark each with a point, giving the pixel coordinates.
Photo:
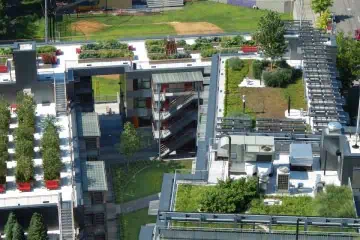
(137, 204)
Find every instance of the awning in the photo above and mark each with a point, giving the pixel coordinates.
(178, 77)
(94, 176)
(301, 155)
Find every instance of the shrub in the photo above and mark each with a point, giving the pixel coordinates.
(229, 196)
(236, 63)
(37, 229)
(163, 56)
(24, 132)
(156, 49)
(46, 49)
(105, 54)
(208, 52)
(258, 66)
(5, 51)
(228, 42)
(154, 42)
(107, 44)
(11, 221)
(181, 43)
(48, 58)
(278, 78)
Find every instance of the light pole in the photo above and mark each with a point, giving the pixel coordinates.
(357, 127)
(244, 103)
(46, 21)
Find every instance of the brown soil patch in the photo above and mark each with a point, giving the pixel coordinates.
(88, 27)
(188, 28)
(265, 102)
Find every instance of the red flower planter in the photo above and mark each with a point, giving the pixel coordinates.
(24, 187)
(2, 188)
(52, 184)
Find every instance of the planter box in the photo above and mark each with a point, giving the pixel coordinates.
(52, 184)
(2, 188)
(92, 60)
(208, 59)
(24, 187)
(167, 61)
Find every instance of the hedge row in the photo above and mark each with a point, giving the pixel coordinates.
(24, 138)
(46, 49)
(108, 44)
(50, 149)
(106, 54)
(4, 129)
(173, 56)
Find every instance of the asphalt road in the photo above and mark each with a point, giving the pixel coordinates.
(347, 14)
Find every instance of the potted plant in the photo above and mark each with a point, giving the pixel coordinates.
(24, 173)
(51, 155)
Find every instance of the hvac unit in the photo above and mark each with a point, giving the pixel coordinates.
(283, 179)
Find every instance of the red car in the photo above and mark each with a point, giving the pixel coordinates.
(357, 34)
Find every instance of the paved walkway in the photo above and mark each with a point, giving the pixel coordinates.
(135, 205)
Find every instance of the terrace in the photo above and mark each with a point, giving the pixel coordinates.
(39, 195)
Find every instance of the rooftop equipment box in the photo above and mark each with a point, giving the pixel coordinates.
(301, 156)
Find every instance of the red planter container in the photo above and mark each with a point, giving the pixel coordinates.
(2, 188)
(24, 187)
(249, 49)
(3, 69)
(52, 184)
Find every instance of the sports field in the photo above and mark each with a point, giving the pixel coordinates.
(195, 18)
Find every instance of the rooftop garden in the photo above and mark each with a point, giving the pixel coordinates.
(48, 54)
(164, 49)
(241, 196)
(24, 140)
(130, 223)
(4, 129)
(51, 154)
(105, 49)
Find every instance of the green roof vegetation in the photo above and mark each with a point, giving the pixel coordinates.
(130, 223)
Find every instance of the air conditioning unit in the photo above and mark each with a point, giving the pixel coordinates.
(283, 179)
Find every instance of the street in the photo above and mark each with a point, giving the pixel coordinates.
(347, 14)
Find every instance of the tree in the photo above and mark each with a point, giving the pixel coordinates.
(18, 232)
(129, 141)
(24, 171)
(11, 221)
(320, 6)
(4, 20)
(270, 36)
(347, 59)
(322, 20)
(37, 229)
(229, 196)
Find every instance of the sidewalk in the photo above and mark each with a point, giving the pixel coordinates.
(307, 13)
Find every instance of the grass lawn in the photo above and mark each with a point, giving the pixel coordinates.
(143, 178)
(107, 85)
(131, 223)
(226, 17)
(188, 197)
(260, 102)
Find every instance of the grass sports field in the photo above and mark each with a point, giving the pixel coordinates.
(195, 18)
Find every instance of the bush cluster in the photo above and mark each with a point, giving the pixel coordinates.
(278, 78)
(228, 42)
(108, 44)
(211, 51)
(50, 149)
(48, 58)
(173, 56)
(258, 67)
(106, 54)
(236, 63)
(46, 49)
(24, 138)
(5, 51)
(4, 129)
(229, 196)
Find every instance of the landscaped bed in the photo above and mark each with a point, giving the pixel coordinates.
(260, 102)
(143, 178)
(4, 129)
(106, 49)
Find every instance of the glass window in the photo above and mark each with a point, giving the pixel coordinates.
(144, 83)
(140, 102)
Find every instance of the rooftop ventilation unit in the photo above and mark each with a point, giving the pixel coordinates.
(283, 179)
(266, 148)
(334, 128)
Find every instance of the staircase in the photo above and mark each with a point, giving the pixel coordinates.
(60, 97)
(66, 220)
(177, 141)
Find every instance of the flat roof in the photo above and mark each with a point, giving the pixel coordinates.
(178, 77)
(88, 124)
(301, 151)
(93, 176)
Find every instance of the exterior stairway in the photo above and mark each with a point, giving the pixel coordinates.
(66, 221)
(178, 141)
(60, 97)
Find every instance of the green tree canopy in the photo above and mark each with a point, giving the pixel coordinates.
(270, 35)
(11, 221)
(229, 196)
(322, 21)
(320, 6)
(37, 229)
(18, 232)
(130, 141)
(24, 171)
(348, 59)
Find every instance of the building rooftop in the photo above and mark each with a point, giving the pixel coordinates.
(94, 176)
(178, 77)
(88, 124)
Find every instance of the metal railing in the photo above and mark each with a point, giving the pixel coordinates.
(105, 98)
